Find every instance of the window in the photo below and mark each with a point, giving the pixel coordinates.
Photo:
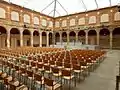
(14, 16)
(2, 13)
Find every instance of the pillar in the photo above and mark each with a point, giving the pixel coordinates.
(98, 37)
(32, 38)
(111, 39)
(21, 38)
(53, 38)
(76, 36)
(40, 35)
(47, 39)
(86, 37)
(60, 37)
(68, 38)
(8, 39)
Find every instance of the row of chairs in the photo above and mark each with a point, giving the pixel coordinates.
(72, 62)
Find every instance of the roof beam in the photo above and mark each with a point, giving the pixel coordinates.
(110, 2)
(84, 5)
(58, 13)
(62, 7)
(47, 5)
(54, 8)
(96, 4)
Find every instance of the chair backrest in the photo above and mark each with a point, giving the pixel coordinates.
(55, 70)
(76, 67)
(29, 73)
(58, 63)
(39, 65)
(46, 67)
(67, 65)
(38, 77)
(48, 82)
(66, 72)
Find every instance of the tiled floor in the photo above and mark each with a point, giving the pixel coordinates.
(103, 78)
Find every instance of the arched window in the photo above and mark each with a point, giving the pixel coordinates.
(50, 24)
(92, 19)
(104, 18)
(2, 13)
(117, 16)
(82, 21)
(44, 22)
(57, 24)
(72, 22)
(36, 20)
(14, 16)
(26, 18)
(64, 23)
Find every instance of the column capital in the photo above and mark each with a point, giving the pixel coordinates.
(86, 31)
(47, 33)
(68, 32)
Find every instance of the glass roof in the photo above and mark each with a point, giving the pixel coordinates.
(64, 7)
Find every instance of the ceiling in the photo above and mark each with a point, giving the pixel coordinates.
(64, 7)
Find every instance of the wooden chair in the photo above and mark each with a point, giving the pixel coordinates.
(51, 84)
(68, 75)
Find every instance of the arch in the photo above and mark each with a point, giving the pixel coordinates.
(14, 31)
(81, 36)
(104, 18)
(72, 35)
(117, 16)
(92, 39)
(64, 36)
(116, 38)
(57, 24)
(50, 38)
(3, 37)
(92, 19)
(3, 30)
(14, 38)
(14, 16)
(104, 38)
(104, 32)
(92, 33)
(26, 38)
(81, 21)
(50, 24)
(44, 22)
(72, 22)
(57, 37)
(35, 33)
(36, 39)
(26, 18)
(2, 13)
(26, 32)
(64, 23)
(44, 38)
(36, 20)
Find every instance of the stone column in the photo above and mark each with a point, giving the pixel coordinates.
(98, 37)
(86, 37)
(68, 38)
(76, 36)
(60, 37)
(21, 38)
(47, 39)
(53, 39)
(8, 39)
(111, 39)
(0, 41)
(40, 35)
(32, 38)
